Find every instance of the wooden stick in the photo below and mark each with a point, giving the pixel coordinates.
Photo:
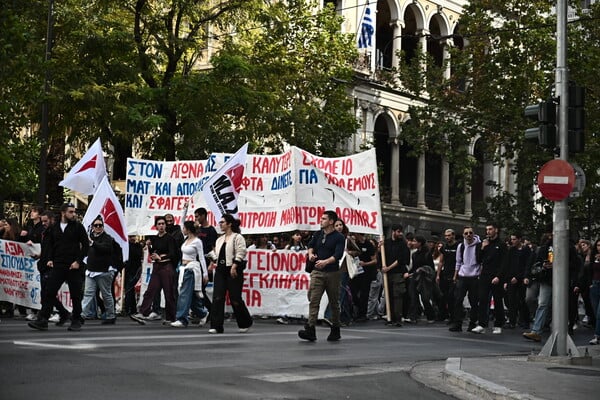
(386, 288)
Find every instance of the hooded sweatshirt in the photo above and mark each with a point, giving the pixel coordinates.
(466, 261)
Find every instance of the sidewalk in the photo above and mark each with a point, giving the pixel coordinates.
(513, 377)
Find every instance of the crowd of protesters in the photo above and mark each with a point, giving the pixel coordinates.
(496, 282)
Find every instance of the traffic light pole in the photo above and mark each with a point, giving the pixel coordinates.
(560, 343)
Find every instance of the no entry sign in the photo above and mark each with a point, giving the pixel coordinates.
(556, 180)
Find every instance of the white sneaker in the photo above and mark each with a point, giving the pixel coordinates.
(178, 324)
(497, 330)
(31, 317)
(243, 330)
(212, 331)
(203, 320)
(54, 318)
(478, 329)
(595, 340)
(153, 317)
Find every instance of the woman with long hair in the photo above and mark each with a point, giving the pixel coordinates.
(229, 255)
(192, 275)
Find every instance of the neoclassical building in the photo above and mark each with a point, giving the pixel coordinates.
(418, 192)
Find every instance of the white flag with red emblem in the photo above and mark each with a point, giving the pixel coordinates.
(87, 174)
(222, 189)
(106, 204)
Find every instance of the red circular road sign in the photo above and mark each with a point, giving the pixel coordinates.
(556, 180)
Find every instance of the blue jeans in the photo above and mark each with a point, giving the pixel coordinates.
(103, 283)
(544, 307)
(188, 299)
(595, 299)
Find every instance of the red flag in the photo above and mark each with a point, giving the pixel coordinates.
(106, 204)
(86, 175)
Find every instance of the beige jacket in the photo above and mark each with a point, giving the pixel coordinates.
(235, 249)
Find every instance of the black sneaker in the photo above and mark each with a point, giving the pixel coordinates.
(110, 321)
(40, 325)
(455, 328)
(308, 333)
(75, 326)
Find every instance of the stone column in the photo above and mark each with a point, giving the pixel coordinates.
(445, 185)
(421, 182)
(397, 26)
(468, 203)
(395, 169)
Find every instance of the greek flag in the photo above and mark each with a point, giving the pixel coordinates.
(367, 29)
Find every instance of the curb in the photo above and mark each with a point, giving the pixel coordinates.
(482, 388)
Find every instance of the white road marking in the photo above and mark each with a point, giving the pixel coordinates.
(302, 375)
(66, 346)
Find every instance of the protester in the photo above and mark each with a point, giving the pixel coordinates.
(361, 283)
(445, 276)
(397, 256)
(208, 234)
(67, 245)
(466, 276)
(162, 252)
(230, 255)
(515, 268)
(423, 276)
(325, 250)
(133, 270)
(491, 281)
(100, 271)
(593, 281)
(192, 275)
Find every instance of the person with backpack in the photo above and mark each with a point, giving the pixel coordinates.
(466, 276)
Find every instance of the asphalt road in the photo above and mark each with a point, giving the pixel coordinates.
(130, 361)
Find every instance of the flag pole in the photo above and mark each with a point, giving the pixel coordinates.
(386, 287)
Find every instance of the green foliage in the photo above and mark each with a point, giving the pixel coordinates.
(283, 78)
(508, 62)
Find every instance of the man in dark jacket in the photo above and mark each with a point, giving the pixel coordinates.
(397, 258)
(101, 270)
(514, 270)
(67, 245)
(493, 253)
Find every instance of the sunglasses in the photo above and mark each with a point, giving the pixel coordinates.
(98, 225)
(467, 233)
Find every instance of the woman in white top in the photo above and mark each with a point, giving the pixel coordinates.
(229, 254)
(192, 274)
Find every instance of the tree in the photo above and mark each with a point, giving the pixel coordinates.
(282, 78)
(21, 77)
(508, 62)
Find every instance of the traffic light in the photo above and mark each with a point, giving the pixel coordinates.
(576, 118)
(545, 113)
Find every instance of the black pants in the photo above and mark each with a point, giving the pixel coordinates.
(446, 304)
(223, 284)
(485, 288)
(131, 279)
(44, 278)
(60, 274)
(515, 296)
(360, 286)
(466, 286)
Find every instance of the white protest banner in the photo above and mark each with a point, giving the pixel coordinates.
(275, 283)
(279, 193)
(20, 278)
